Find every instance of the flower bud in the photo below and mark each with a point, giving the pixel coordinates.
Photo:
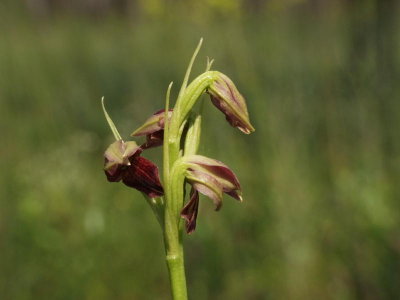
(225, 96)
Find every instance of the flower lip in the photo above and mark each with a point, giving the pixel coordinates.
(226, 97)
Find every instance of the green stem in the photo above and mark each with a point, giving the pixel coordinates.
(172, 232)
(174, 254)
(175, 262)
(172, 236)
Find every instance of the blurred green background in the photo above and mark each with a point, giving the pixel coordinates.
(321, 174)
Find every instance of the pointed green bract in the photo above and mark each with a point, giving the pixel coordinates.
(110, 122)
(189, 69)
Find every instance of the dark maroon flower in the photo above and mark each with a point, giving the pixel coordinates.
(123, 162)
(211, 178)
(226, 97)
(153, 129)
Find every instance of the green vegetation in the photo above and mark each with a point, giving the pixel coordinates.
(321, 211)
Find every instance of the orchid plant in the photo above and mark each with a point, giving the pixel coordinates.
(178, 131)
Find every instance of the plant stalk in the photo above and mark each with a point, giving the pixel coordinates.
(176, 267)
(172, 236)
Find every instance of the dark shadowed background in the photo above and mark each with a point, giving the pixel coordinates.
(321, 174)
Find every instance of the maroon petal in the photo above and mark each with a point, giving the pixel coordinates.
(142, 175)
(190, 210)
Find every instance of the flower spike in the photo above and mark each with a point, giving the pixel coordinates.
(179, 131)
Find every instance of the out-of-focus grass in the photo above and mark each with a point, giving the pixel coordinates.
(320, 175)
